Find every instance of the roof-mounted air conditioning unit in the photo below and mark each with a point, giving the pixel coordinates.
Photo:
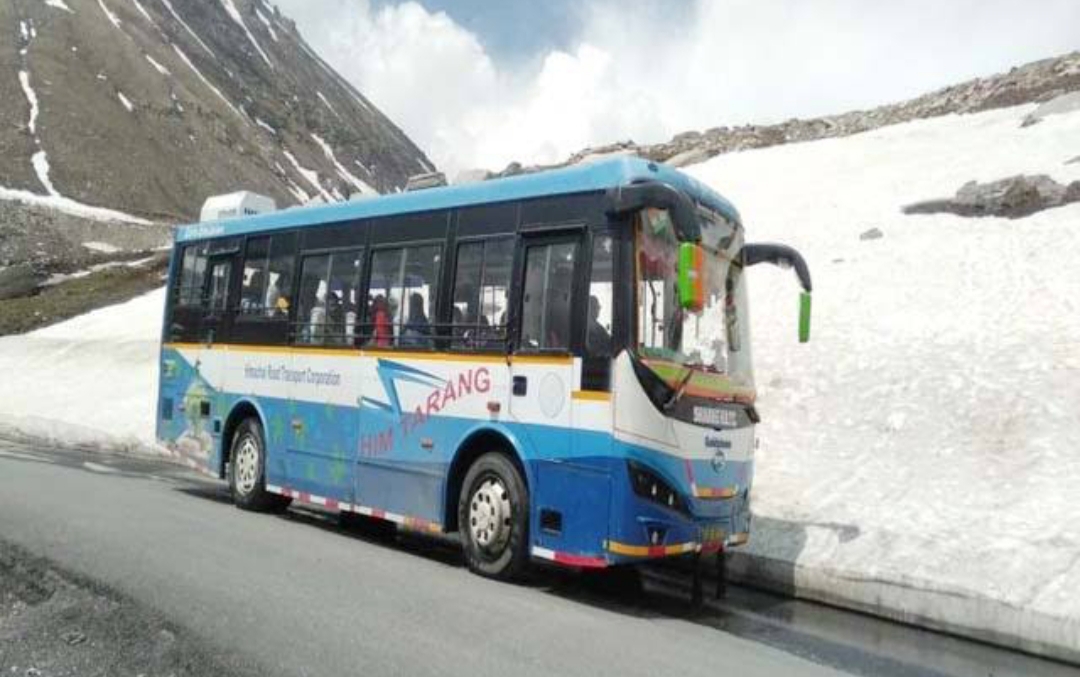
(235, 206)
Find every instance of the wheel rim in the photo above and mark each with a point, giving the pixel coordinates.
(247, 465)
(490, 515)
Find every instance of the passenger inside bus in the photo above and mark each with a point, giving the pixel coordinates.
(598, 339)
(417, 330)
(379, 320)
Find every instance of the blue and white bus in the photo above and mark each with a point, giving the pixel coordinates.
(555, 366)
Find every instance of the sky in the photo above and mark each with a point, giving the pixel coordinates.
(481, 83)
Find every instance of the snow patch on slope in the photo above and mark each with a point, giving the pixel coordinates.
(115, 20)
(309, 175)
(142, 10)
(157, 66)
(59, 4)
(231, 10)
(24, 80)
(342, 171)
(69, 206)
(215, 90)
(193, 34)
(327, 104)
(41, 167)
(266, 22)
(126, 102)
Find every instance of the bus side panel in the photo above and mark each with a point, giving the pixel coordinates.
(186, 407)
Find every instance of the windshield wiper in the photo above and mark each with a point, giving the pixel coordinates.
(678, 393)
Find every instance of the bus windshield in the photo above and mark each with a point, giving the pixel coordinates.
(707, 352)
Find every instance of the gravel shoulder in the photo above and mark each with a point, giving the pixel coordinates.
(53, 622)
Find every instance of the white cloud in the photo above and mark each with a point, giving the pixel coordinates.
(636, 74)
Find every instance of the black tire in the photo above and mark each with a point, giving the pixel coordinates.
(247, 473)
(501, 558)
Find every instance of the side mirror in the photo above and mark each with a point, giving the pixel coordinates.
(691, 277)
(785, 257)
(804, 317)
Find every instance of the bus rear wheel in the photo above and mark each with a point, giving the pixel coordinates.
(493, 516)
(247, 470)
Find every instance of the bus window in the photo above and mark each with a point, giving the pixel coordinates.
(192, 271)
(253, 285)
(218, 293)
(545, 312)
(401, 296)
(329, 286)
(279, 275)
(601, 298)
(481, 284)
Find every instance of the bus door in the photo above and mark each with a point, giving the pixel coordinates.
(218, 298)
(542, 369)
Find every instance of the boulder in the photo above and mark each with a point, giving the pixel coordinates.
(1014, 197)
(18, 280)
(872, 234)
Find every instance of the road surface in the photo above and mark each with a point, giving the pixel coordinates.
(298, 594)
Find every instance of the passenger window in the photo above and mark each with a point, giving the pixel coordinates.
(481, 289)
(218, 293)
(401, 297)
(545, 312)
(329, 289)
(267, 283)
(192, 272)
(601, 298)
(253, 286)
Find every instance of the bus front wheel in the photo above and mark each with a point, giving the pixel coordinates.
(247, 470)
(493, 516)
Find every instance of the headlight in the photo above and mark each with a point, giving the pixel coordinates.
(651, 487)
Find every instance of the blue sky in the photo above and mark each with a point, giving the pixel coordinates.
(482, 83)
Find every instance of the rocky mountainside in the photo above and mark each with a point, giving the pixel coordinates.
(146, 107)
(1038, 81)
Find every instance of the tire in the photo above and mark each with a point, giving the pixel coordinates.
(496, 544)
(247, 470)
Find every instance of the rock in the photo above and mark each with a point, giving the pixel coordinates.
(73, 637)
(1014, 197)
(689, 157)
(1066, 103)
(872, 234)
(18, 280)
(1074, 161)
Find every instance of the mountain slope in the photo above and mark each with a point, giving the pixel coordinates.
(149, 106)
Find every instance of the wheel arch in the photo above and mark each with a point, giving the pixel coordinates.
(473, 445)
(242, 409)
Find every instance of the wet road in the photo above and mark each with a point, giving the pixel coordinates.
(299, 594)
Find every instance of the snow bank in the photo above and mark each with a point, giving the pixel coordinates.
(90, 381)
(919, 456)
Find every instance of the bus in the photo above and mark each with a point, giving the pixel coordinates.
(555, 366)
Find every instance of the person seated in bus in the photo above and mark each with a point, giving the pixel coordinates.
(334, 330)
(382, 334)
(277, 300)
(417, 329)
(316, 326)
(598, 340)
(249, 301)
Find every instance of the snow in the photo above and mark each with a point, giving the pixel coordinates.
(265, 126)
(193, 34)
(40, 161)
(24, 80)
(327, 104)
(309, 175)
(342, 171)
(215, 90)
(157, 66)
(127, 102)
(231, 10)
(59, 4)
(69, 206)
(24, 30)
(103, 247)
(142, 10)
(115, 20)
(266, 22)
(926, 438)
(88, 381)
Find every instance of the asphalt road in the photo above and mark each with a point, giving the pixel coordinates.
(300, 595)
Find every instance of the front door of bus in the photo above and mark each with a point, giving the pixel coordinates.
(542, 368)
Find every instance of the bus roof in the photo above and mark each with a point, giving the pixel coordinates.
(594, 176)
